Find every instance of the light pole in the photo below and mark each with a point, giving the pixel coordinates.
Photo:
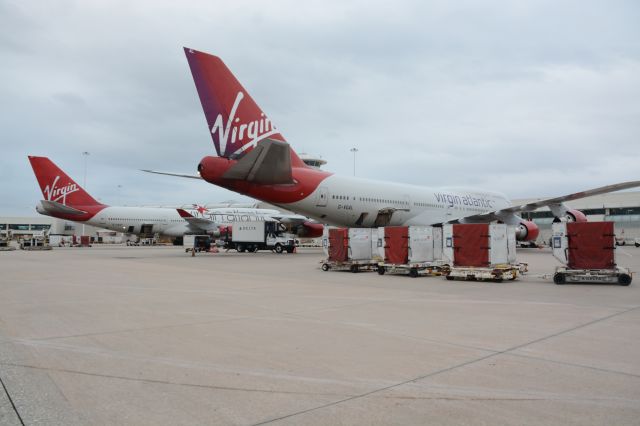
(354, 150)
(85, 154)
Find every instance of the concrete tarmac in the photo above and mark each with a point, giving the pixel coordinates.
(152, 336)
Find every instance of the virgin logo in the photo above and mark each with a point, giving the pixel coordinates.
(57, 193)
(233, 132)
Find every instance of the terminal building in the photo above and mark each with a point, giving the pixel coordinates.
(30, 226)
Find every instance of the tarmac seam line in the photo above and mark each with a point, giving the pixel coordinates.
(164, 382)
(445, 370)
(13, 405)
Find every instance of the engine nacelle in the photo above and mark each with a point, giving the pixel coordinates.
(527, 231)
(575, 216)
(310, 230)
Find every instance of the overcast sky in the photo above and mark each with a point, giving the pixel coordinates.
(531, 98)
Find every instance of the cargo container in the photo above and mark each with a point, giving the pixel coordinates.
(351, 249)
(481, 251)
(587, 251)
(412, 250)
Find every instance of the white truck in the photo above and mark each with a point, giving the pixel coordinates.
(260, 235)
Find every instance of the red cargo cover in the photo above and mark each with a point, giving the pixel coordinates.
(338, 244)
(591, 245)
(396, 245)
(471, 245)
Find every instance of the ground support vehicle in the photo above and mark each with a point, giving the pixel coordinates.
(350, 265)
(196, 243)
(588, 252)
(259, 235)
(349, 249)
(5, 245)
(35, 243)
(617, 275)
(414, 269)
(497, 273)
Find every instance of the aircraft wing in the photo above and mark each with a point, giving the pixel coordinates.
(505, 214)
(294, 219)
(172, 174)
(197, 222)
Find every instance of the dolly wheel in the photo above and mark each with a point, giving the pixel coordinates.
(559, 278)
(381, 270)
(449, 277)
(624, 279)
(325, 267)
(354, 268)
(413, 272)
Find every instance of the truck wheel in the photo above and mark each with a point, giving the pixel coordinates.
(253, 249)
(449, 278)
(325, 267)
(240, 248)
(624, 279)
(637, 244)
(413, 273)
(559, 278)
(381, 270)
(278, 248)
(354, 268)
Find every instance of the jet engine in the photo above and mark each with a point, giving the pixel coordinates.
(575, 216)
(310, 230)
(527, 231)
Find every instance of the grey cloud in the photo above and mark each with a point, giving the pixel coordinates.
(531, 98)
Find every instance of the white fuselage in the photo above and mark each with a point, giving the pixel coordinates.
(349, 201)
(167, 221)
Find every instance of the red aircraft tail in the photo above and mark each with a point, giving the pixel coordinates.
(57, 186)
(235, 121)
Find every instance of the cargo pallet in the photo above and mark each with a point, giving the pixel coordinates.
(618, 275)
(350, 265)
(498, 273)
(414, 269)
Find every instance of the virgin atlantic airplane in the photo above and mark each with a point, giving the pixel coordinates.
(255, 160)
(65, 199)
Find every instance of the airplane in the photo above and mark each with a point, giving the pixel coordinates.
(254, 159)
(65, 199)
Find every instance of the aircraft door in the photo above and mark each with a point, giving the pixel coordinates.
(323, 195)
(146, 230)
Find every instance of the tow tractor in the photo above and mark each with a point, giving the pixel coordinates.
(587, 250)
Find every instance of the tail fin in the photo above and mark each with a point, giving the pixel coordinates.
(235, 121)
(57, 186)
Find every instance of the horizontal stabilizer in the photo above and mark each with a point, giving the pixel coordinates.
(269, 163)
(55, 207)
(198, 222)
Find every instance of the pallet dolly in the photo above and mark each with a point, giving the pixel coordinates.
(618, 275)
